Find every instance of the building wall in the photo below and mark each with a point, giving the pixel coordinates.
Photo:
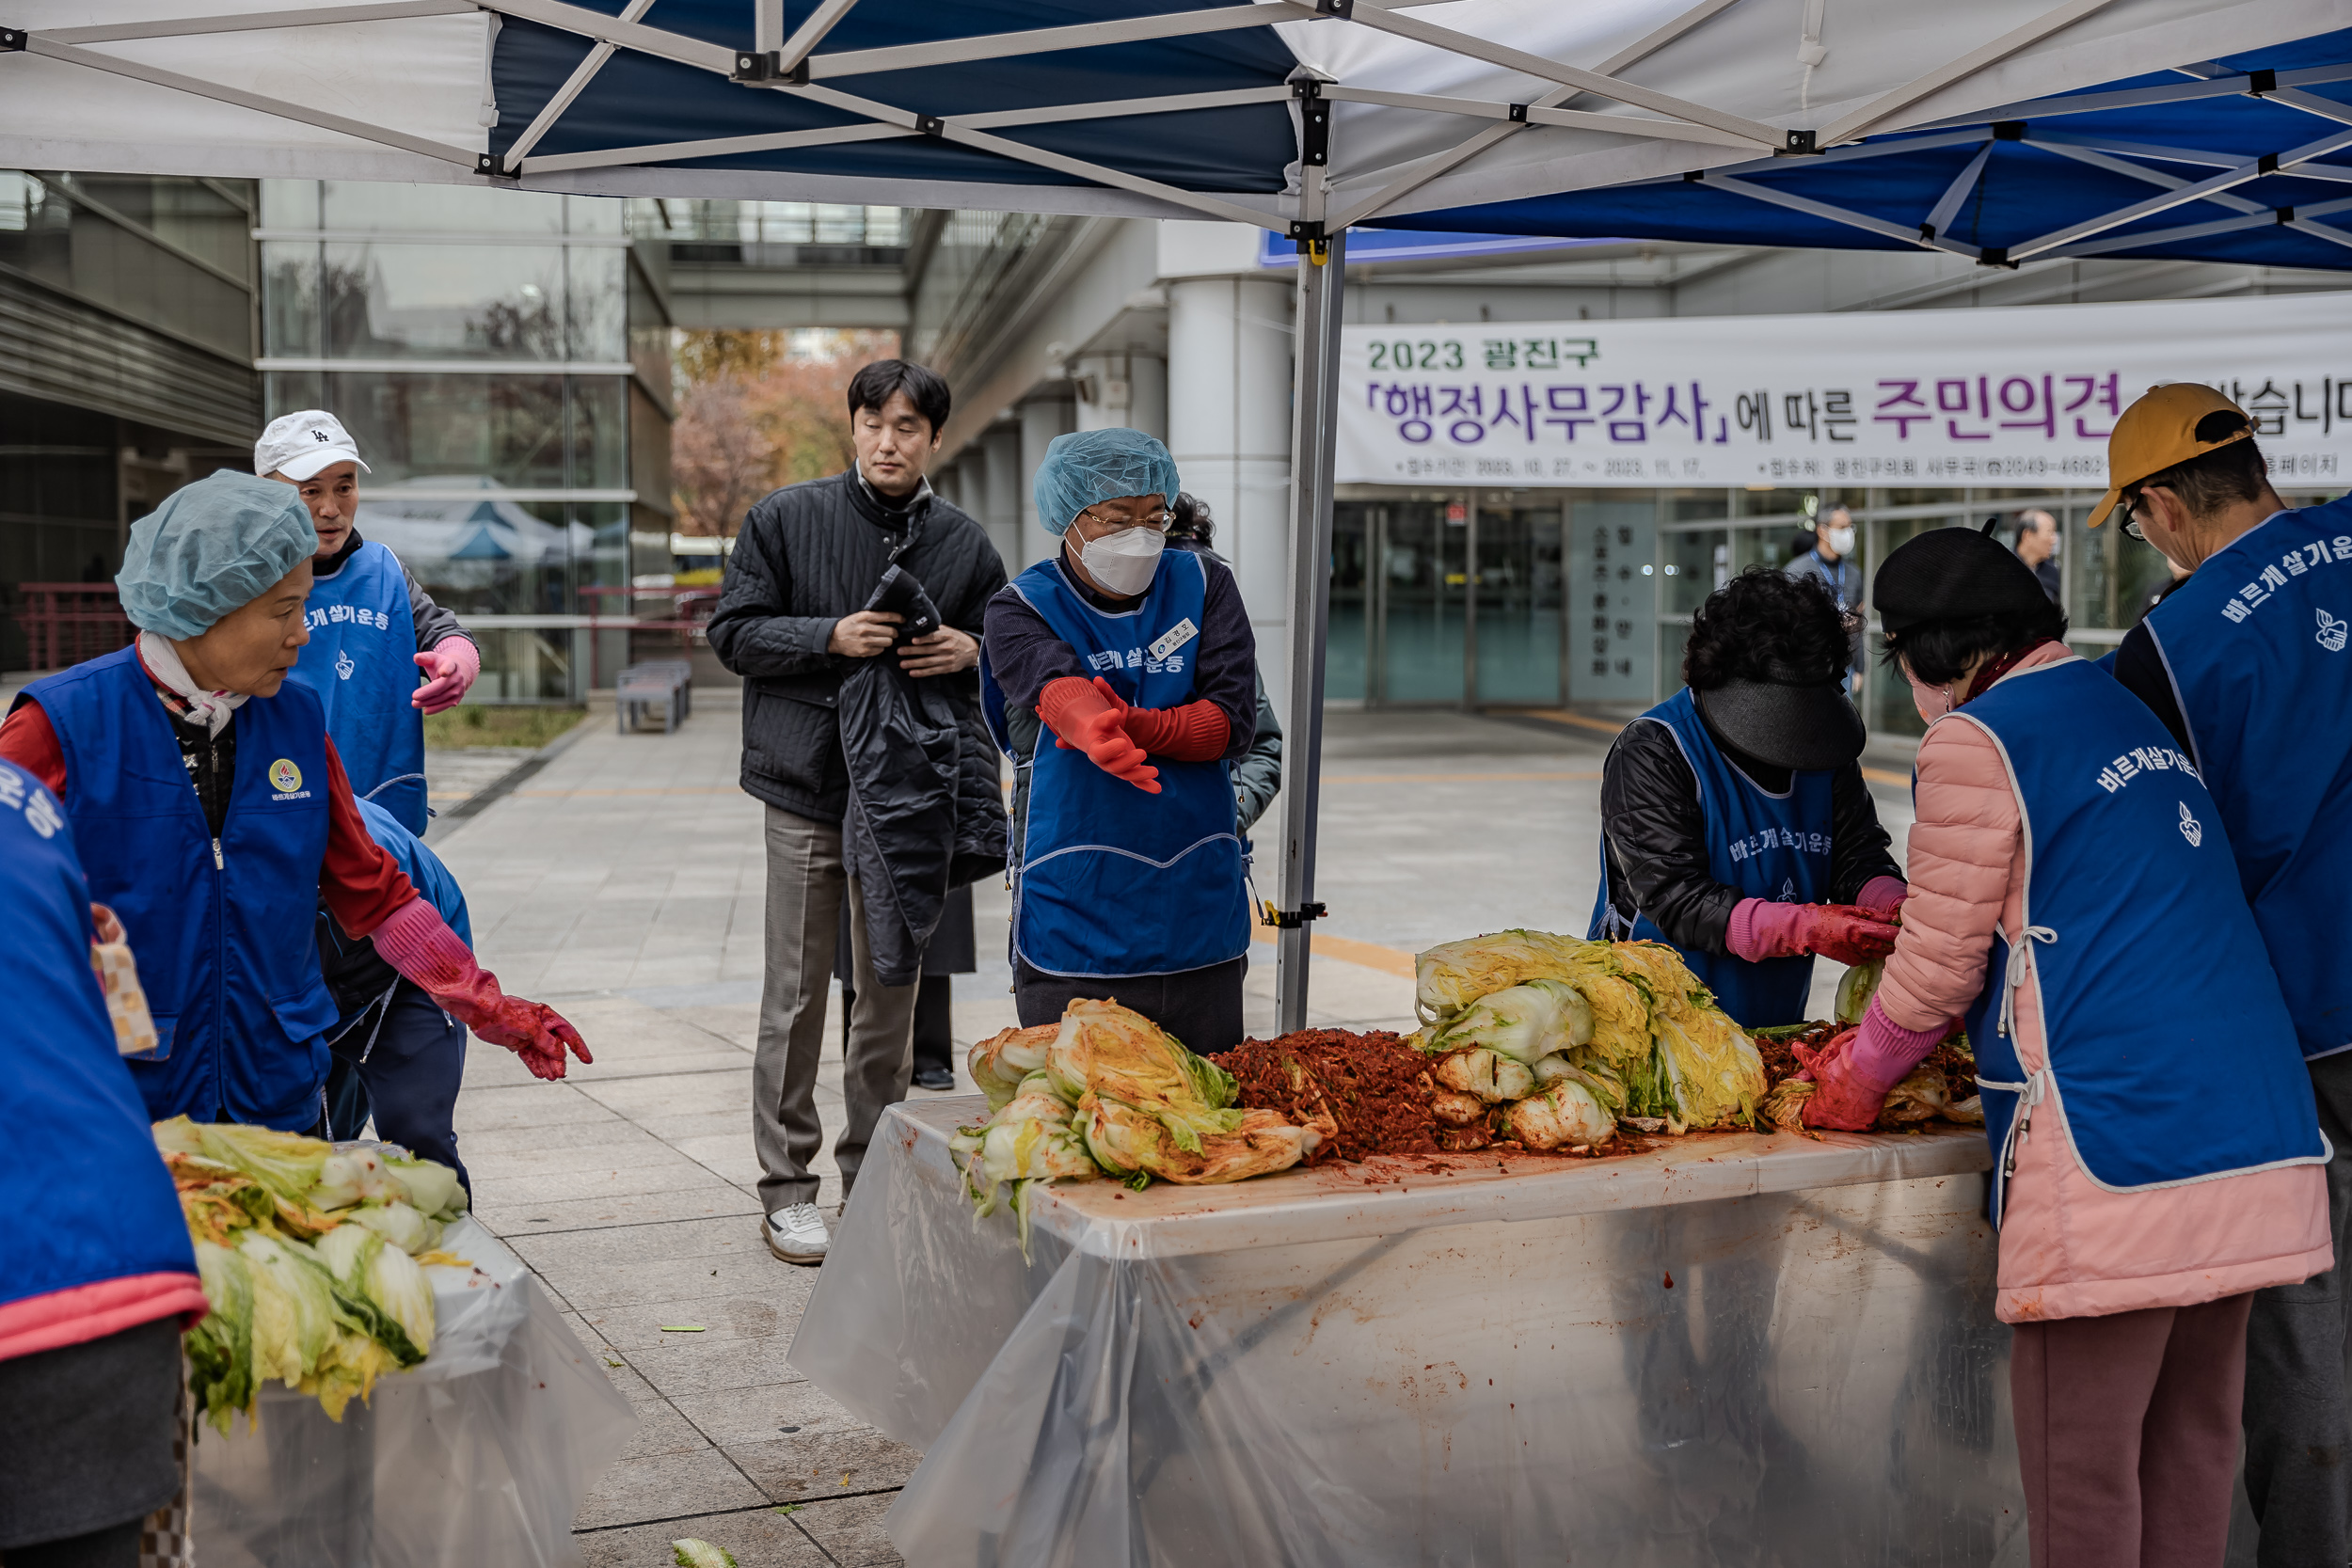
(126, 367)
(1466, 596)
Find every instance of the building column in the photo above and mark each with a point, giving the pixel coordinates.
(1123, 390)
(1229, 428)
(1147, 405)
(1041, 421)
(1104, 391)
(1002, 488)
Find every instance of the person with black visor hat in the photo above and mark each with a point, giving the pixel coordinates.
(1735, 822)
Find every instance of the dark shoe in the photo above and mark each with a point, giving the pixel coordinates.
(931, 1075)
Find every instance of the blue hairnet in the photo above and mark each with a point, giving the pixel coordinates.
(1099, 465)
(212, 547)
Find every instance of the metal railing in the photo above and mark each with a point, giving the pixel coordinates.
(686, 615)
(65, 623)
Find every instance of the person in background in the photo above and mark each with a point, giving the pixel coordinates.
(1734, 821)
(2075, 902)
(1139, 662)
(373, 628)
(383, 654)
(791, 622)
(2246, 664)
(2037, 540)
(398, 1056)
(1830, 563)
(213, 816)
(97, 1276)
(1257, 772)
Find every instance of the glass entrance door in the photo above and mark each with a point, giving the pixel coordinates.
(1417, 632)
(1518, 584)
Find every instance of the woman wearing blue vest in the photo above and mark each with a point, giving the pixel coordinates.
(1735, 822)
(2157, 1152)
(1139, 660)
(213, 816)
(97, 1277)
(382, 653)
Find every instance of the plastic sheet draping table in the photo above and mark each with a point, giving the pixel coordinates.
(1735, 1349)
(478, 1455)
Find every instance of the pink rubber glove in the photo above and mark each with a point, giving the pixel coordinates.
(1762, 929)
(454, 664)
(1852, 1073)
(419, 943)
(1881, 896)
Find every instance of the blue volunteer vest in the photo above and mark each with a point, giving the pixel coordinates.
(362, 663)
(222, 928)
(87, 1199)
(2256, 643)
(422, 867)
(1774, 847)
(2171, 1057)
(1113, 881)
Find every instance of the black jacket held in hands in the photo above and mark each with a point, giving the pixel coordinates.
(825, 736)
(1654, 835)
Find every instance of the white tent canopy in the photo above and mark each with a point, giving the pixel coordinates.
(1394, 107)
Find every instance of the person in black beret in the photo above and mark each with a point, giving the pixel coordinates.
(2157, 1160)
(1735, 823)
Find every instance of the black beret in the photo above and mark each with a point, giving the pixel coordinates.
(1953, 574)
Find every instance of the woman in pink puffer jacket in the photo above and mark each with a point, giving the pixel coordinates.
(2157, 1156)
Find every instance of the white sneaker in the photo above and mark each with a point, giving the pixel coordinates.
(797, 1233)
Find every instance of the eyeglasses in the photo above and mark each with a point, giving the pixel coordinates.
(2128, 507)
(1158, 522)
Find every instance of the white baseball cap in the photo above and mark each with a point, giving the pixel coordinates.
(299, 445)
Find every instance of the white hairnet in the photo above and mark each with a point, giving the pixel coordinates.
(212, 547)
(1099, 465)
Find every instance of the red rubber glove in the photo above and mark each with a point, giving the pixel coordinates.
(419, 943)
(1091, 718)
(1882, 896)
(1762, 929)
(1195, 731)
(454, 664)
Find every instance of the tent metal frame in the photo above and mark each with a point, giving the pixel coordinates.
(1320, 211)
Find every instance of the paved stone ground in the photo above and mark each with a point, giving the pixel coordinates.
(623, 882)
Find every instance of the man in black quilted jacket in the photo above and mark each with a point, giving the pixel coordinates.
(792, 622)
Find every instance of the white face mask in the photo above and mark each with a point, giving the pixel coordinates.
(1124, 563)
(1840, 539)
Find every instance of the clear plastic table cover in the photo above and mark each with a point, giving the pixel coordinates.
(478, 1454)
(1737, 1349)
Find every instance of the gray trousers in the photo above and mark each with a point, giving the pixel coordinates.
(2298, 1420)
(806, 889)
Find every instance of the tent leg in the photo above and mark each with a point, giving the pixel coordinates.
(1314, 435)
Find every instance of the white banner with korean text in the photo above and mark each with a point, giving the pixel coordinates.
(2010, 396)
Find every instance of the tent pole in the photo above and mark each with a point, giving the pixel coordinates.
(1313, 436)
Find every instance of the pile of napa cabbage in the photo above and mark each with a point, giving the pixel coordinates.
(1107, 1092)
(1549, 1040)
(312, 1259)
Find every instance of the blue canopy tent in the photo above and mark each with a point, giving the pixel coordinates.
(2010, 131)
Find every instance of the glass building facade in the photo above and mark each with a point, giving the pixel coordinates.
(502, 360)
(126, 370)
(1537, 598)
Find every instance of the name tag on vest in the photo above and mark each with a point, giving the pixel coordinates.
(1174, 637)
